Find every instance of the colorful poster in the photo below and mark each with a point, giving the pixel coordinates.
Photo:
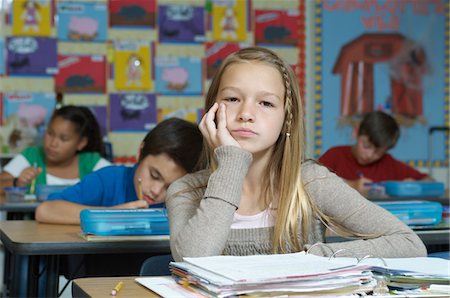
(190, 109)
(229, 20)
(101, 114)
(2, 57)
(31, 56)
(81, 74)
(216, 52)
(179, 75)
(26, 116)
(82, 21)
(132, 13)
(132, 65)
(181, 23)
(132, 111)
(276, 27)
(385, 55)
(32, 17)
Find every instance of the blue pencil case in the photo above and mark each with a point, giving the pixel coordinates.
(414, 188)
(116, 222)
(415, 212)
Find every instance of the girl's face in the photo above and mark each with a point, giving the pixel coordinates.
(253, 94)
(156, 173)
(62, 141)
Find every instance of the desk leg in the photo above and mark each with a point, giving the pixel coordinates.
(33, 276)
(14, 271)
(52, 276)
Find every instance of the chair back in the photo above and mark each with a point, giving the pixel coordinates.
(156, 266)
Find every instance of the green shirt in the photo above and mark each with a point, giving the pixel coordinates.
(35, 155)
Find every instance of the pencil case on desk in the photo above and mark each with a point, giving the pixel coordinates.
(116, 222)
(415, 212)
(413, 188)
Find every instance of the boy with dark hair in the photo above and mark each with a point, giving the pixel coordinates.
(368, 161)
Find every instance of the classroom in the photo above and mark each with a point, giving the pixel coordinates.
(133, 64)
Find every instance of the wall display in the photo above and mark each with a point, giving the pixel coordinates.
(101, 114)
(25, 117)
(31, 56)
(132, 13)
(229, 20)
(81, 74)
(82, 21)
(216, 52)
(132, 111)
(372, 58)
(181, 23)
(180, 107)
(132, 65)
(178, 75)
(32, 17)
(276, 27)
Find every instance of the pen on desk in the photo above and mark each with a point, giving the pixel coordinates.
(33, 181)
(117, 288)
(140, 196)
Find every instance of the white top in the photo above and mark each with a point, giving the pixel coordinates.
(16, 165)
(259, 220)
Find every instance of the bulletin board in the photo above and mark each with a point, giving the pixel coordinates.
(134, 62)
(383, 55)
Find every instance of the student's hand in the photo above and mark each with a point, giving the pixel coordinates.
(217, 135)
(133, 204)
(28, 175)
(360, 185)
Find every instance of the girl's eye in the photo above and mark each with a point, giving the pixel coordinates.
(230, 99)
(267, 104)
(154, 176)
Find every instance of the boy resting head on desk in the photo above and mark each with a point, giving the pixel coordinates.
(167, 152)
(367, 161)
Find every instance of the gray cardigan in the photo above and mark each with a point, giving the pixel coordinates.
(200, 218)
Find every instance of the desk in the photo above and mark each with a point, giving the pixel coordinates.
(17, 209)
(102, 286)
(29, 238)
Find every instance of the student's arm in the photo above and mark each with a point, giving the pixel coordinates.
(65, 212)
(96, 190)
(359, 184)
(389, 236)
(200, 223)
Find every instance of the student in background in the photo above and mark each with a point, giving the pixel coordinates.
(258, 194)
(72, 148)
(368, 161)
(168, 152)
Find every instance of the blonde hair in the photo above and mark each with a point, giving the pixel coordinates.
(282, 177)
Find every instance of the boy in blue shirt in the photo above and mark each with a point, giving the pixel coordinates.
(168, 152)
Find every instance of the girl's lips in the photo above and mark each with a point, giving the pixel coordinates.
(244, 132)
(149, 200)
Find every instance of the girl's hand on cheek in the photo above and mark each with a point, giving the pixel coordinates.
(216, 135)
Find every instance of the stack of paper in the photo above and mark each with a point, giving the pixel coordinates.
(267, 275)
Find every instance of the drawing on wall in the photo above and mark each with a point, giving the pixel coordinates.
(132, 13)
(101, 114)
(81, 74)
(132, 65)
(178, 75)
(189, 109)
(25, 117)
(181, 23)
(229, 20)
(375, 60)
(82, 21)
(32, 17)
(216, 52)
(276, 27)
(132, 111)
(31, 56)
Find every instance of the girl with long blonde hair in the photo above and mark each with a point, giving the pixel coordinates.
(259, 195)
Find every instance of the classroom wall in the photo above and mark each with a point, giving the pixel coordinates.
(127, 110)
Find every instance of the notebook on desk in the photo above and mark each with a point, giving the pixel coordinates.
(97, 238)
